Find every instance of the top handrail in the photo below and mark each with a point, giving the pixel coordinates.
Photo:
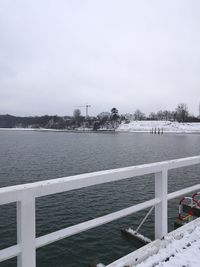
(53, 186)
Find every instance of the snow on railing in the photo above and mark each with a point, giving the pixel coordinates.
(26, 194)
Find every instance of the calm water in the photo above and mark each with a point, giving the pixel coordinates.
(34, 156)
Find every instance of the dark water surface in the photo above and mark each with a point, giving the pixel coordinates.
(33, 156)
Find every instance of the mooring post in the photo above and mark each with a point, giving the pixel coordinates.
(161, 211)
(26, 232)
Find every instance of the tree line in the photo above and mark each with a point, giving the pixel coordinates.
(180, 114)
(104, 120)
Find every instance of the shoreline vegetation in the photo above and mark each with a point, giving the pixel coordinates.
(164, 121)
(153, 127)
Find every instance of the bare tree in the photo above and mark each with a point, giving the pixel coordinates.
(166, 115)
(77, 113)
(152, 116)
(114, 117)
(182, 112)
(104, 115)
(138, 115)
(160, 115)
(104, 118)
(77, 116)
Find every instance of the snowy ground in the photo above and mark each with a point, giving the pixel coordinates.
(179, 252)
(166, 126)
(135, 126)
(180, 248)
(45, 129)
(29, 129)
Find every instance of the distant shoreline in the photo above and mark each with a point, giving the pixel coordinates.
(99, 131)
(56, 130)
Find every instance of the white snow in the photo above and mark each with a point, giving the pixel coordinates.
(166, 126)
(177, 252)
(140, 236)
(45, 129)
(135, 126)
(180, 248)
(31, 129)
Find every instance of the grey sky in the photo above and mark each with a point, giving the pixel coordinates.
(55, 55)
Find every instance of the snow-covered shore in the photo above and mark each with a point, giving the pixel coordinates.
(78, 130)
(32, 129)
(133, 126)
(165, 126)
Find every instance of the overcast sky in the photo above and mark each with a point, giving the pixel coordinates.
(57, 54)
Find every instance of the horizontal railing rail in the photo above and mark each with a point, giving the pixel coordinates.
(26, 194)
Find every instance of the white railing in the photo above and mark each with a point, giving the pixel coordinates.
(26, 194)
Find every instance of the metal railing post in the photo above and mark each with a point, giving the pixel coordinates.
(26, 231)
(161, 211)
